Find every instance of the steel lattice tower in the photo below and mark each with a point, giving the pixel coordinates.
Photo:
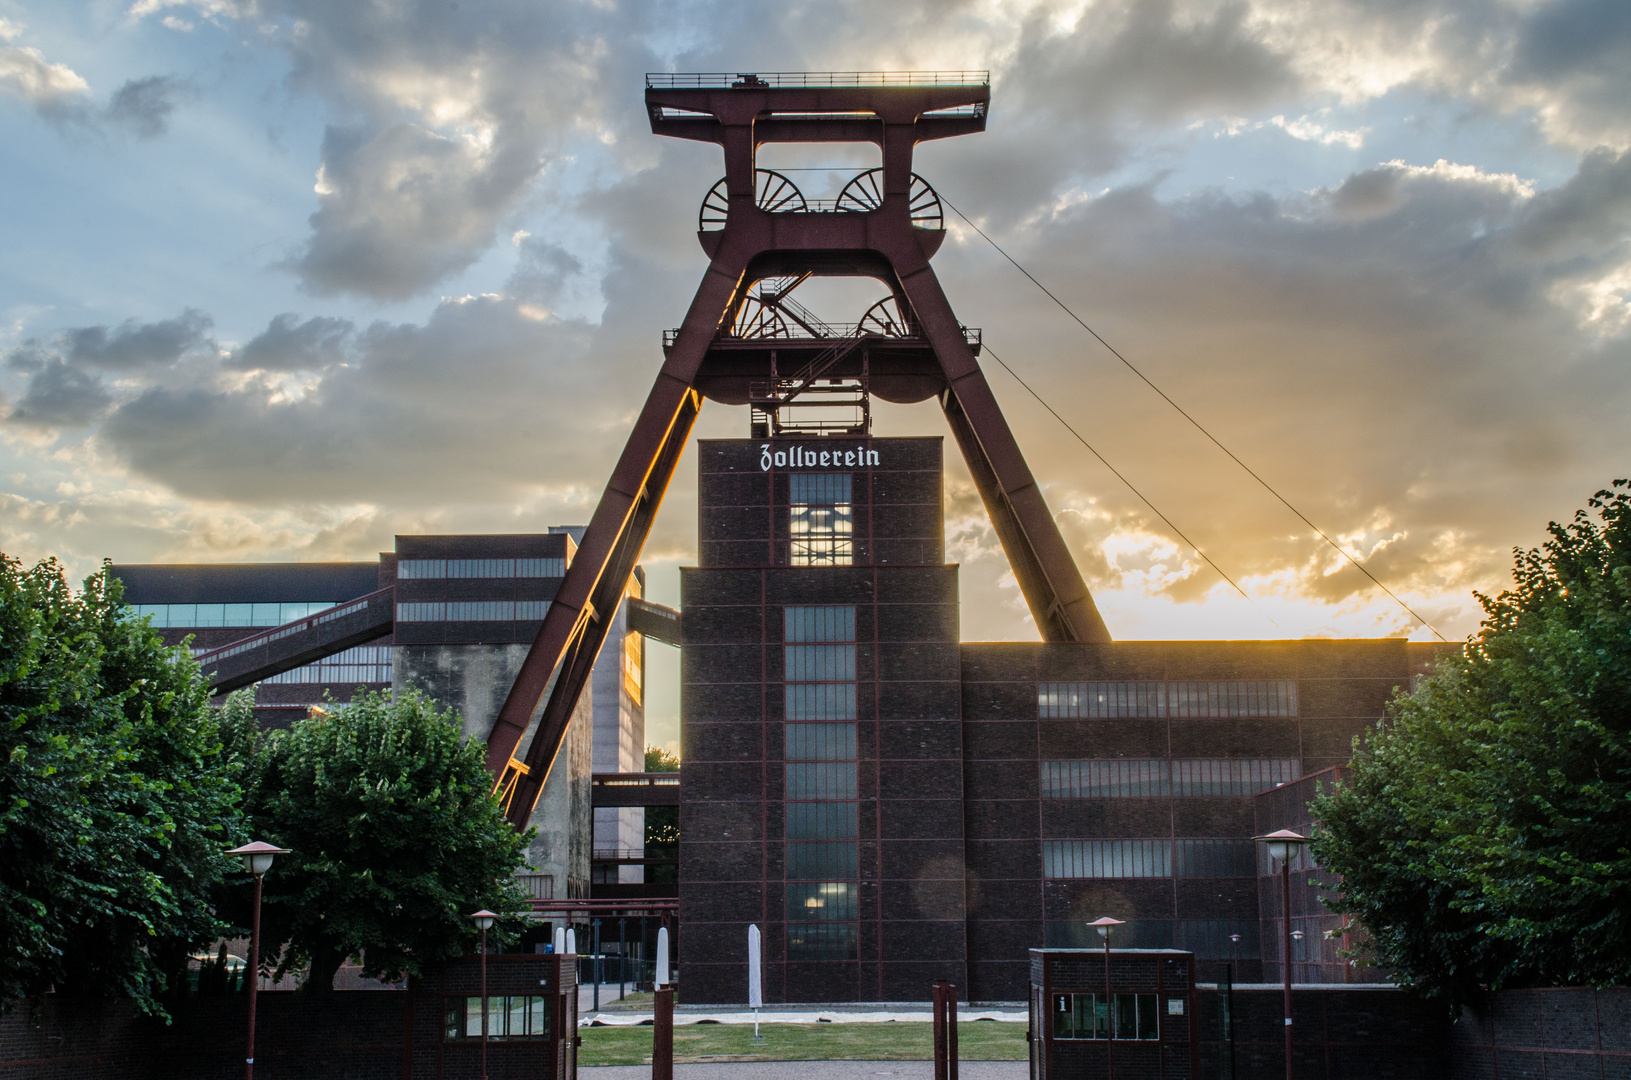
(745, 342)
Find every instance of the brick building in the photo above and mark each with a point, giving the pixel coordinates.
(893, 806)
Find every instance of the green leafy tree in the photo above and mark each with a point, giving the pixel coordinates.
(113, 811)
(395, 837)
(662, 824)
(1484, 838)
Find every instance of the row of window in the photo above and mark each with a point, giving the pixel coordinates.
(442, 569)
(1145, 778)
(1155, 700)
(472, 611)
(509, 1017)
(360, 664)
(1092, 1016)
(1159, 858)
(202, 616)
(820, 744)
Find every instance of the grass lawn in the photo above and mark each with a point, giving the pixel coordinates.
(977, 1040)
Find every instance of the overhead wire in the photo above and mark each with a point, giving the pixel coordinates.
(987, 350)
(1196, 423)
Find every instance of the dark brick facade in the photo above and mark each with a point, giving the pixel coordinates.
(956, 746)
(909, 925)
(1556, 1033)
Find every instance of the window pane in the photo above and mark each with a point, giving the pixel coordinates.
(821, 781)
(818, 862)
(820, 742)
(819, 663)
(827, 622)
(538, 1025)
(472, 1018)
(823, 901)
(827, 488)
(820, 701)
(821, 821)
(453, 1020)
(1063, 1004)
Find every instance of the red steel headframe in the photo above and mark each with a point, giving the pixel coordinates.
(741, 113)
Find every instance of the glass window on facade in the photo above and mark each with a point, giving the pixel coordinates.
(1088, 1016)
(202, 616)
(1154, 700)
(1159, 778)
(510, 1018)
(821, 526)
(820, 755)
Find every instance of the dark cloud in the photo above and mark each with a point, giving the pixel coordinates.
(543, 271)
(287, 344)
(143, 106)
(135, 345)
(60, 395)
(458, 410)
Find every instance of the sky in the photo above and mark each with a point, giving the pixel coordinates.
(280, 279)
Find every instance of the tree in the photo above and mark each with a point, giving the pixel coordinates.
(113, 811)
(662, 824)
(1484, 838)
(395, 837)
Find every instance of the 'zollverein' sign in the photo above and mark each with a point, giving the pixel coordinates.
(797, 457)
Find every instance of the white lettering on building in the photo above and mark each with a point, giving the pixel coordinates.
(797, 457)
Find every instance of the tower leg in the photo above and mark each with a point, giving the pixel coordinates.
(1047, 575)
(576, 623)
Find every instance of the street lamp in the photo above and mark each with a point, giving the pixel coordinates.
(257, 858)
(484, 921)
(1103, 925)
(1284, 846)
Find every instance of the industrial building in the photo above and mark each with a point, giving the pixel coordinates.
(460, 612)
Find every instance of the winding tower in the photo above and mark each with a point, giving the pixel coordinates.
(745, 340)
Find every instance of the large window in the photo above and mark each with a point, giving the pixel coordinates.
(1152, 700)
(509, 1018)
(361, 664)
(1087, 1016)
(1184, 858)
(472, 611)
(191, 616)
(1158, 778)
(820, 755)
(821, 526)
(441, 569)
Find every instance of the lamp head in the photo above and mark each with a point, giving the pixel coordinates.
(484, 918)
(257, 856)
(1283, 845)
(1103, 925)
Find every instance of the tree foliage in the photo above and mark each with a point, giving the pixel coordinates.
(1485, 836)
(113, 810)
(395, 836)
(662, 840)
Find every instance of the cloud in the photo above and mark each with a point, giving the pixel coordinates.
(60, 395)
(287, 344)
(134, 345)
(143, 106)
(55, 91)
(543, 271)
(456, 410)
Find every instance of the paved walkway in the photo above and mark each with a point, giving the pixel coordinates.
(813, 1070)
(873, 1013)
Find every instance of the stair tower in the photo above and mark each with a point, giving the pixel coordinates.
(746, 341)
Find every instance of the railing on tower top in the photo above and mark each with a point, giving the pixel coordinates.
(763, 79)
(971, 334)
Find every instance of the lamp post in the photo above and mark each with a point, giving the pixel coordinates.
(1284, 846)
(257, 858)
(484, 920)
(1103, 925)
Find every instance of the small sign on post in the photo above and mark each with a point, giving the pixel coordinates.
(756, 990)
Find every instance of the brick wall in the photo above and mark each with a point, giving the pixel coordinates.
(1557, 1033)
(346, 1035)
